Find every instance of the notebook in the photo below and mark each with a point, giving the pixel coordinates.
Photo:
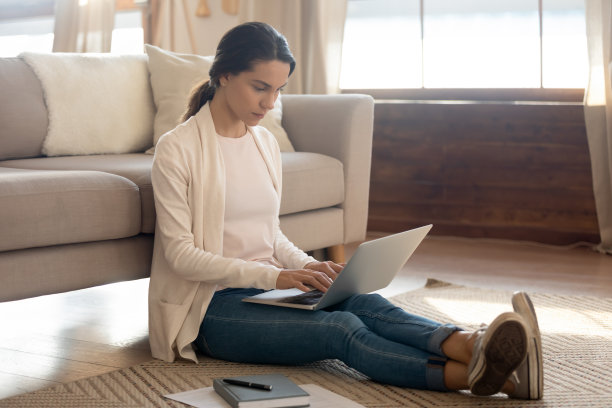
(373, 265)
(283, 393)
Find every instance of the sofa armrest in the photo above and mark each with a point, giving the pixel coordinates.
(339, 126)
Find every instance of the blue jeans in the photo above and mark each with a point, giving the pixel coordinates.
(366, 332)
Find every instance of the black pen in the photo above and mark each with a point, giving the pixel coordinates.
(248, 384)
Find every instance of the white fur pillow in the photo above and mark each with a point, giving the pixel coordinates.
(174, 75)
(97, 103)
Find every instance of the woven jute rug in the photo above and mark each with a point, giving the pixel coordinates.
(576, 336)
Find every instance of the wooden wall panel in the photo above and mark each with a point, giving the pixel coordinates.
(497, 170)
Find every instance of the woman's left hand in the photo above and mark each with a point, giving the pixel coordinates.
(329, 268)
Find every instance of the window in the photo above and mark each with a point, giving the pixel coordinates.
(128, 34)
(464, 44)
(26, 34)
(29, 27)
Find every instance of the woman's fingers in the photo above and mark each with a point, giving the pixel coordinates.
(303, 279)
(318, 280)
(330, 268)
(337, 267)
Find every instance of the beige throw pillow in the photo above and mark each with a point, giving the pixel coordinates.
(173, 76)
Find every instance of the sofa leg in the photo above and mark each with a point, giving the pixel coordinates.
(336, 253)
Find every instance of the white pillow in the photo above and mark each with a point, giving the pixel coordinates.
(96, 103)
(174, 75)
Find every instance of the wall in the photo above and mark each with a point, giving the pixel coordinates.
(207, 30)
(502, 170)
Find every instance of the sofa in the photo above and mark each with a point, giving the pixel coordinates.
(71, 221)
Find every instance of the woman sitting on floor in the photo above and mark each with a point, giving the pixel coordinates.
(217, 186)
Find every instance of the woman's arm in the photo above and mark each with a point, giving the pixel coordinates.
(308, 271)
(287, 253)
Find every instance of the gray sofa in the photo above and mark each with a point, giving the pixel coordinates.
(72, 222)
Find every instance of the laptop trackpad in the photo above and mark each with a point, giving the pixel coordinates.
(307, 298)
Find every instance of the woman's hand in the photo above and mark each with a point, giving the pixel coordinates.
(329, 268)
(318, 275)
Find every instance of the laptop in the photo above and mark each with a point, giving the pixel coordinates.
(373, 265)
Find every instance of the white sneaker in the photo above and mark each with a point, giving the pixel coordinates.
(530, 374)
(498, 351)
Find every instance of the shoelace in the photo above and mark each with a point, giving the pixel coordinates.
(514, 378)
(478, 332)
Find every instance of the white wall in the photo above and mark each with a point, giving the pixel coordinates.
(207, 30)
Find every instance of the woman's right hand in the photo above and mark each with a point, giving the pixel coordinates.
(303, 279)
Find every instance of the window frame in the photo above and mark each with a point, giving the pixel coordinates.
(564, 95)
(539, 94)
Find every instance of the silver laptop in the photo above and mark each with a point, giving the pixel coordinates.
(373, 265)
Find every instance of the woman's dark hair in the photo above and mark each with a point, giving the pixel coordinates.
(239, 49)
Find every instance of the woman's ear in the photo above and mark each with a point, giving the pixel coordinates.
(224, 79)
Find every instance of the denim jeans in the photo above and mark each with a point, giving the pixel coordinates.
(366, 332)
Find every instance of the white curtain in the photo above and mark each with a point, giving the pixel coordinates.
(83, 25)
(598, 113)
(314, 30)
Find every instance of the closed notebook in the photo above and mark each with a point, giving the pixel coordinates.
(284, 393)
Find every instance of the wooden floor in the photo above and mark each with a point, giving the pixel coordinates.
(62, 338)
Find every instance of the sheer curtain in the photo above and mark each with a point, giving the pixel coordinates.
(598, 113)
(314, 30)
(83, 25)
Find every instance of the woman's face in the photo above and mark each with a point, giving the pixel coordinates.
(251, 94)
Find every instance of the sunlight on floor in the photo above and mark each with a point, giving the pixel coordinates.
(552, 320)
(472, 312)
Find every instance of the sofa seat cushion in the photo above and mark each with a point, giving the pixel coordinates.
(43, 208)
(135, 167)
(310, 181)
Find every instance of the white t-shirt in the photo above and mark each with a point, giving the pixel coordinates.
(251, 202)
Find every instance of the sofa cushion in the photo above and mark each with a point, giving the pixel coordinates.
(22, 111)
(135, 167)
(97, 103)
(310, 181)
(43, 208)
(314, 229)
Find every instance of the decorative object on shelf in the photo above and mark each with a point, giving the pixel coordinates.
(203, 10)
(231, 7)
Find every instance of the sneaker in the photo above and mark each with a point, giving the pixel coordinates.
(498, 351)
(530, 374)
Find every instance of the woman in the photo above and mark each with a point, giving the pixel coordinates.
(217, 186)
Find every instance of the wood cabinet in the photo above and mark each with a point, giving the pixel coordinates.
(483, 169)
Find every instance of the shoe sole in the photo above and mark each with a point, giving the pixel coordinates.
(504, 352)
(535, 368)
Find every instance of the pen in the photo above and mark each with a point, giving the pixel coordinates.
(248, 384)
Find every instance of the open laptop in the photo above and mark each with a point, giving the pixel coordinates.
(373, 265)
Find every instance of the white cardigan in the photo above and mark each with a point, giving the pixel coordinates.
(188, 178)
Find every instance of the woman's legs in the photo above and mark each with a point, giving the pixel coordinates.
(355, 331)
(393, 323)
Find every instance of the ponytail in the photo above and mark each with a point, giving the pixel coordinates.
(200, 94)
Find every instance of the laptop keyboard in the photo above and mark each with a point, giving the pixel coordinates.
(307, 298)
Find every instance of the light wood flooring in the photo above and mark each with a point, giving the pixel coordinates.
(65, 337)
